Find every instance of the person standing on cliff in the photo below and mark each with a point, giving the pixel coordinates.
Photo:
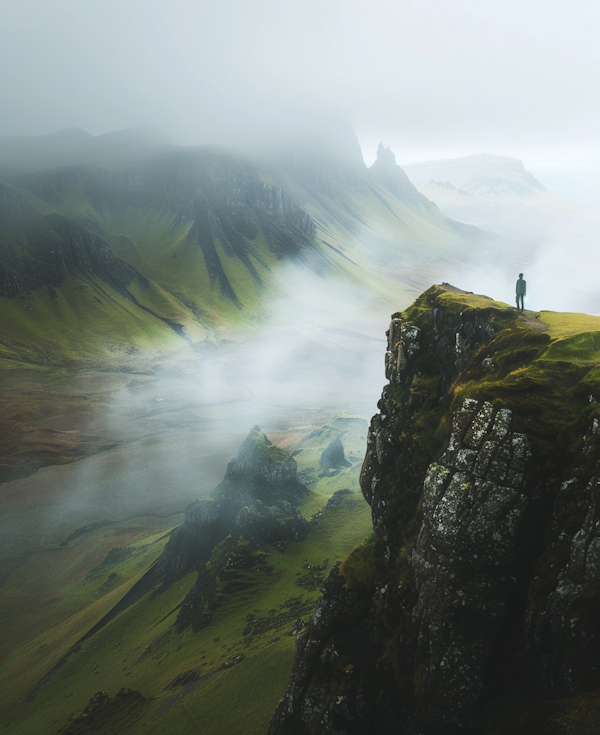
(521, 291)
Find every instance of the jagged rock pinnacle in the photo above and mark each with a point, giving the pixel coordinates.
(385, 155)
(385, 172)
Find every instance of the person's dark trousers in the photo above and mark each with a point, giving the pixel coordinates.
(520, 300)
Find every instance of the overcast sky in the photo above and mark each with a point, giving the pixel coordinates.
(433, 79)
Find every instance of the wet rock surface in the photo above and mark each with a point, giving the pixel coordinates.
(564, 627)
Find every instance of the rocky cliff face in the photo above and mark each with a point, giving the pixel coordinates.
(479, 593)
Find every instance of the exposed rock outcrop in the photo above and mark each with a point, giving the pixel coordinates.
(385, 172)
(563, 628)
(106, 713)
(476, 500)
(256, 504)
(484, 576)
(332, 458)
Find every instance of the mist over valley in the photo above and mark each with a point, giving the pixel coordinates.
(279, 451)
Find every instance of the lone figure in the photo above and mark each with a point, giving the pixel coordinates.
(521, 291)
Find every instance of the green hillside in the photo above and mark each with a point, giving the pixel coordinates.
(377, 218)
(228, 676)
(196, 239)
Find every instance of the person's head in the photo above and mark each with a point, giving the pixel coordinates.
(520, 275)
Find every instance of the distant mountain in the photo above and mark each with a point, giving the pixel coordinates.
(492, 192)
(481, 175)
(553, 239)
(203, 232)
(74, 146)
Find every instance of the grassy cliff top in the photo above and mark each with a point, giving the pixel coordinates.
(454, 300)
(544, 366)
(557, 324)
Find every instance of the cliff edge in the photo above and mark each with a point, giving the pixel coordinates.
(474, 606)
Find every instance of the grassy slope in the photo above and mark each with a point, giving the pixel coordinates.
(160, 250)
(179, 288)
(86, 321)
(383, 234)
(140, 648)
(162, 253)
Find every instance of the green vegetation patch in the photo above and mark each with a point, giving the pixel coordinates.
(228, 677)
(84, 322)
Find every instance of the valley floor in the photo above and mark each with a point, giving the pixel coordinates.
(113, 459)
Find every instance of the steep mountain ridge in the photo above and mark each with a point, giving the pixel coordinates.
(73, 147)
(472, 603)
(209, 230)
(66, 297)
(376, 217)
(202, 198)
(386, 172)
